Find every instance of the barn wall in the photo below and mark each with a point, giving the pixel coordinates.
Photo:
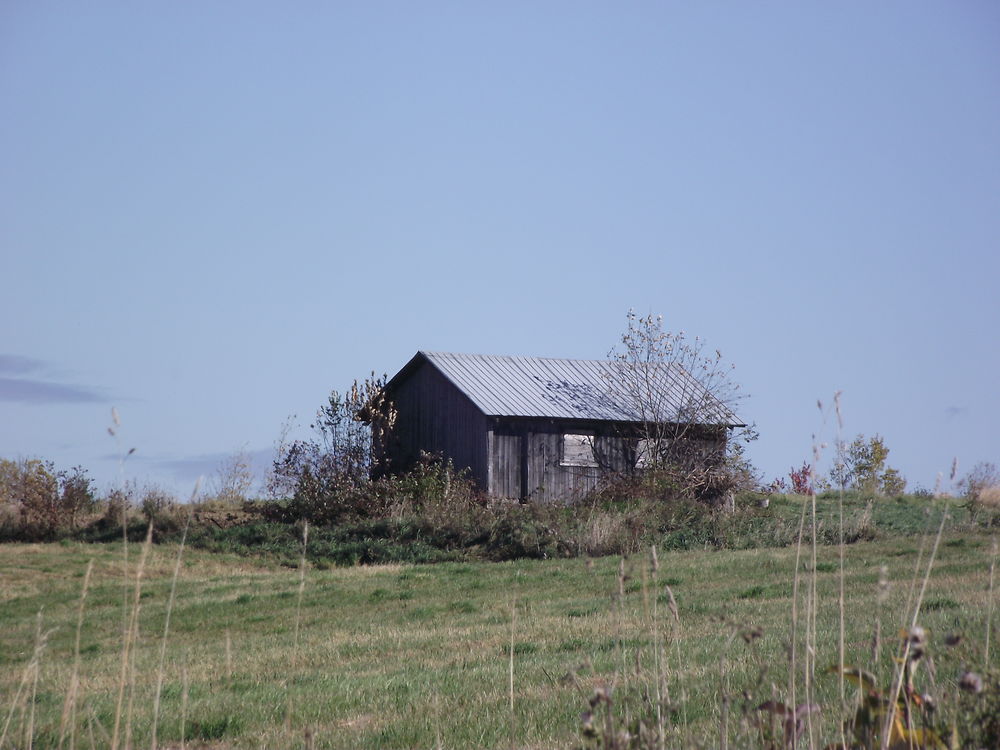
(434, 416)
(506, 460)
(527, 459)
(548, 480)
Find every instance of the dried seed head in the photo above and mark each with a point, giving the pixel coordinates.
(114, 417)
(883, 584)
(602, 694)
(917, 636)
(774, 707)
(672, 603)
(752, 634)
(971, 682)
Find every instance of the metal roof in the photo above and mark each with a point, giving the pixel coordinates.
(503, 386)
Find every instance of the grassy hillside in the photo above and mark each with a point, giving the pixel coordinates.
(260, 655)
(597, 528)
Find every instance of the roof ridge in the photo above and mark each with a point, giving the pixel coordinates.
(427, 352)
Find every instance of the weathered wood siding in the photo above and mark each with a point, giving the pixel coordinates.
(435, 417)
(527, 459)
(506, 462)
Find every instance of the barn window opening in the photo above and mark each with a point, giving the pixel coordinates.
(644, 454)
(578, 450)
(650, 451)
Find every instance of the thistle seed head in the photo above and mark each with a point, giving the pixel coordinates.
(971, 682)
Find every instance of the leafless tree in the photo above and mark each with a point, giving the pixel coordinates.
(323, 475)
(681, 398)
(234, 478)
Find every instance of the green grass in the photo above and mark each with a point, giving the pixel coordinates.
(906, 514)
(401, 656)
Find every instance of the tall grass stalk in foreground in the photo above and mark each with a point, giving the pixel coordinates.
(620, 623)
(841, 599)
(724, 692)
(795, 711)
(30, 734)
(675, 611)
(513, 630)
(902, 665)
(657, 649)
(68, 719)
(166, 630)
(229, 656)
(793, 647)
(126, 622)
(302, 588)
(30, 674)
(184, 701)
(298, 622)
(126, 678)
(989, 606)
(812, 639)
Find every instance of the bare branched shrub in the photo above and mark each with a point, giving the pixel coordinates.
(981, 478)
(118, 503)
(989, 497)
(328, 476)
(682, 397)
(156, 503)
(46, 500)
(132, 502)
(435, 491)
(981, 489)
(234, 479)
(76, 495)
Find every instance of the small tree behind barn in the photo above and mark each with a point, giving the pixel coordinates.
(328, 475)
(684, 398)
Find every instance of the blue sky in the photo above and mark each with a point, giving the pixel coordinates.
(212, 214)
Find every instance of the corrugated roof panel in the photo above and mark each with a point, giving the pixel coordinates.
(569, 388)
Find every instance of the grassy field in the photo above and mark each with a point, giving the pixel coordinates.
(458, 654)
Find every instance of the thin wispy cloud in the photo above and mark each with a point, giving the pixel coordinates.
(39, 390)
(13, 364)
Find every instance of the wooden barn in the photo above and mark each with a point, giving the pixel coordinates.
(527, 427)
